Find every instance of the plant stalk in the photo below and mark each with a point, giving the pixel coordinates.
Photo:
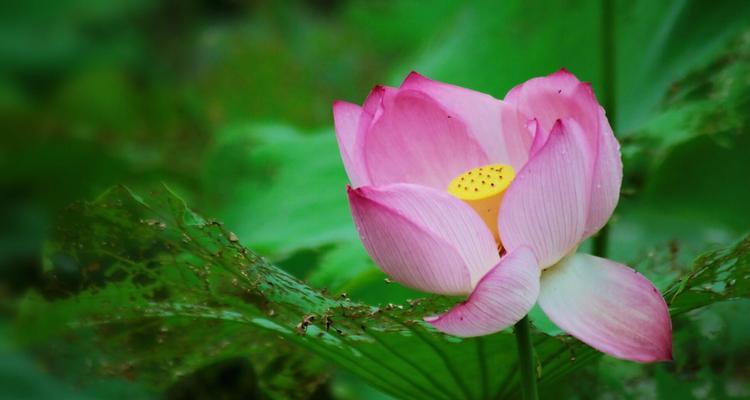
(608, 83)
(526, 359)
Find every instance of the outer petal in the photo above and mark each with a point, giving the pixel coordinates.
(501, 298)
(346, 118)
(606, 181)
(496, 126)
(545, 207)
(557, 96)
(609, 306)
(423, 238)
(561, 95)
(415, 140)
(352, 122)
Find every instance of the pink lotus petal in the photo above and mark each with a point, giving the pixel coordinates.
(559, 80)
(372, 109)
(415, 140)
(606, 180)
(501, 298)
(557, 96)
(352, 122)
(374, 100)
(561, 95)
(496, 126)
(423, 238)
(545, 207)
(609, 306)
(346, 120)
(517, 134)
(540, 136)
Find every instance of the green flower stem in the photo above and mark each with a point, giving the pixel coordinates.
(608, 85)
(599, 247)
(526, 359)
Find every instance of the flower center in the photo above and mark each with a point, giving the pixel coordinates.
(483, 189)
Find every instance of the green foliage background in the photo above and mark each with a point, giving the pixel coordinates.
(138, 293)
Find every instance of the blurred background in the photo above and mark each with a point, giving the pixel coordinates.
(228, 102)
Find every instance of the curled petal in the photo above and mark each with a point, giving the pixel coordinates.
(346, 118)
(540, 136)
(501, 298)
(374, 99)
(416, 140)
(496, 126)
(423, 238)
(379, 98)
(608, 305)
(545, 207)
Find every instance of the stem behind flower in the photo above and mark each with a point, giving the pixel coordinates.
(526, 359)
(609, 99)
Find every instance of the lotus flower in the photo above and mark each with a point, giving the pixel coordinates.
(455, 192)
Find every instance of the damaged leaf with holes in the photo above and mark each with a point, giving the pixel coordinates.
(161, 292)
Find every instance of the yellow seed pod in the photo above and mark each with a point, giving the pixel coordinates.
(482, 188)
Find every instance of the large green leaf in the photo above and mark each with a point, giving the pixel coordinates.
(686, 183)
(257, 175)
(659, 43)
(166, 291)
